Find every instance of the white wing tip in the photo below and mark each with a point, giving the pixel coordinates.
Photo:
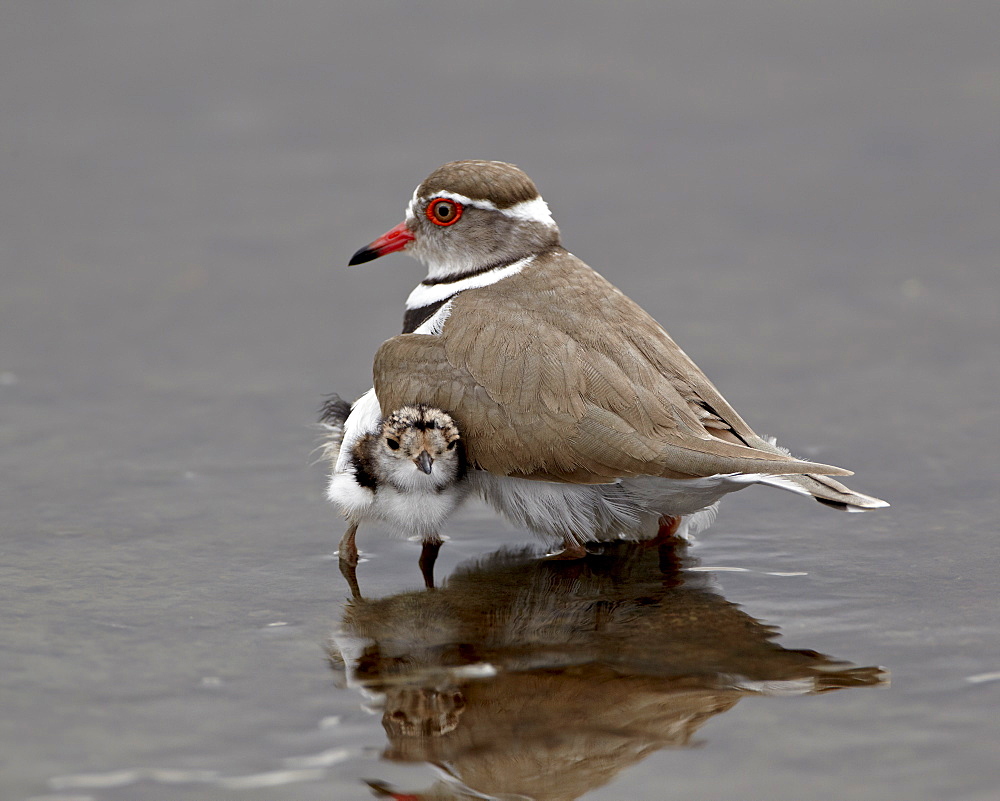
(873, 503)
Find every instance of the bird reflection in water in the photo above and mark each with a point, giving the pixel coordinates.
(527, 678)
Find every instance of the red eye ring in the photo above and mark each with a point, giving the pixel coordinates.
(442, 211)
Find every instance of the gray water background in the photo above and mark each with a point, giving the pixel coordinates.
(807, 195)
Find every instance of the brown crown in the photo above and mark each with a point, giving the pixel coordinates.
(502, 184)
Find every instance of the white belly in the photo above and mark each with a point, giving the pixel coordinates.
(629, 509)
(681, 497)
(415, 512)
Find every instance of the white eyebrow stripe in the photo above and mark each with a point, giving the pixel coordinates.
(534, 210)
(426, 294)
(410, 206)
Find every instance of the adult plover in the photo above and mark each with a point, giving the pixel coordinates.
(583, 418)
(407, 471)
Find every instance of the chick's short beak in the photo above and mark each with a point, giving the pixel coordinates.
(424, 461)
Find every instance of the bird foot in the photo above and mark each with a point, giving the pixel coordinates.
(667, 533)
(572, 550)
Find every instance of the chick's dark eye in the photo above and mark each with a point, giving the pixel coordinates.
(392, 443)
(444, 211)
(452, 444)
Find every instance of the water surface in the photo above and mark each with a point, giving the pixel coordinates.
(805, 195)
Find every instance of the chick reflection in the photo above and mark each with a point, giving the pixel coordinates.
(538, 679)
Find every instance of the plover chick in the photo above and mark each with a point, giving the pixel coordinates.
(408, 472)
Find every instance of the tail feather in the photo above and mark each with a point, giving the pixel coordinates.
(825, 490)
(332, 417)
(335, 411)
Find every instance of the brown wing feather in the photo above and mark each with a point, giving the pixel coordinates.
(609, 395)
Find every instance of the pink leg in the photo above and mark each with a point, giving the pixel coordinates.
(571, 550)
(666, 535)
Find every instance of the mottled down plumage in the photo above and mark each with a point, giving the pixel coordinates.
(407, 472)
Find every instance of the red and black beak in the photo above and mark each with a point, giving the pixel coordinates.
(391, 241)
